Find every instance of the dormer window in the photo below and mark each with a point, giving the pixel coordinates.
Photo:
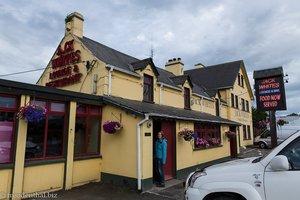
(187, 100)
(148, 88)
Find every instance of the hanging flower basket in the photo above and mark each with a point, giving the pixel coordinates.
(111, 126)
(32, 113)
(186, 134)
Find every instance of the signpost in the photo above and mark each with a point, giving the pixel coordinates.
(270, 95)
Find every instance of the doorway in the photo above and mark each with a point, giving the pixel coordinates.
(168, 128)
(233, 143)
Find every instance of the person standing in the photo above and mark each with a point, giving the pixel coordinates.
(160, 158)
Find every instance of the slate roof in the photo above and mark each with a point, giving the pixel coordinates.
(180, 80)
(156, 110)
(215, 77)
(129, 63)
(142, 64)
(107, 54)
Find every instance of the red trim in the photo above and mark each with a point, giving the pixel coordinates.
(87, 117)
(14, 111)
(51, 113)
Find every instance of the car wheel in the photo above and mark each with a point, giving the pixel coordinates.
(225, 197)
(262, 145)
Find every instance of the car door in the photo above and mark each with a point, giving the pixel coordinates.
(285, 184)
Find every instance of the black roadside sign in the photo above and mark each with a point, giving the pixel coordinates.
(269, 89)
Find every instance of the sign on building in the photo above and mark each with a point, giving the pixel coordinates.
(269, 89)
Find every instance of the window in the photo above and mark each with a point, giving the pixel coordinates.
(45, 139)
(243, 104)
(187, 98)
(207, 135)
(87, 130)
(217, 107)
(236, 101)
(247, 106)
(239, 79)
(249, 132)
(242, 80)
(8, 110)
(244, 132)
(148, 88)
(292, 152)
(232, 100)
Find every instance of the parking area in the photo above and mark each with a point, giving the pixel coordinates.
(174, 189)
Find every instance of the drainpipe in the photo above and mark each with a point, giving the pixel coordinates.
(160, 93)
(109, 79)
(139, 181)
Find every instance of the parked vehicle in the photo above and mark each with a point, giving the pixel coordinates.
(273, 177)
(291, 126)
(264, 140)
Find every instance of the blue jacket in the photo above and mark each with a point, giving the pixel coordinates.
(161, 150)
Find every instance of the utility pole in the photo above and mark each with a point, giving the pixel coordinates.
(273, 129)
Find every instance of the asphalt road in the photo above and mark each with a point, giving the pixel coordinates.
(174, 189)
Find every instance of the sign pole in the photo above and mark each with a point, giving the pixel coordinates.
(273, 129)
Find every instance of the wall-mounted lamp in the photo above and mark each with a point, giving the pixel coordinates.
(90, 64)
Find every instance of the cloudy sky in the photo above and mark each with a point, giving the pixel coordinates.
(262, 33)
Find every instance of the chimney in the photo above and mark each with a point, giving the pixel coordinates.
(175, 66)
(199, 65)
(74, 24)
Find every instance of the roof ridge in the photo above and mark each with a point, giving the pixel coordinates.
(214, 65)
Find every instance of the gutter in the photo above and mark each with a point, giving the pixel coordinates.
(202, 97)
(170, 86)
(139, 164)
(123, 70)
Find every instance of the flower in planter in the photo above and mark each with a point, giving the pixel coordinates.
(186, 134)
(111, 126)
(201, 142)
(214, 141)
(32, 113)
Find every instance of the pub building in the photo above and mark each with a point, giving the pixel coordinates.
(103, 112)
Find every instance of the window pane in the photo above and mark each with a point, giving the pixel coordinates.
(58, 107)
(7, 102)
(93, 136)
(55, 136)
(95, 110)
(6, 133)
(79, 143)
(81, 109)
(39, 103)
(35, 140)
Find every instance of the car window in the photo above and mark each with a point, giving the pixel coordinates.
(292, 152)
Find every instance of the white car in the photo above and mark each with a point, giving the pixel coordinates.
(274, 177)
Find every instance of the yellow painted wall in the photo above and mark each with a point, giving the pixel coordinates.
(87, 80)
(119, 150)
(43, 178)
(171, 97)
(5, 182)
(86, 171)
(147, 152)
(238, 115)
(129, 87)
(187, 157)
